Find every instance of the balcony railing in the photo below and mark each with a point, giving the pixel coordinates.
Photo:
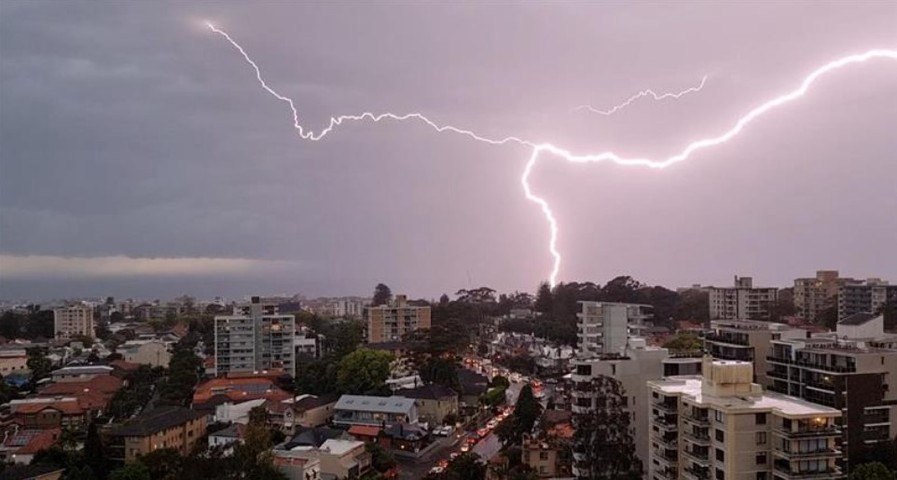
(774, 359)
(697, 474)
(698, 438)
(806, 474)
(820, 453)
(697, 457)
(828, 431)
(712, 337)
(700, 420)
(827, 368)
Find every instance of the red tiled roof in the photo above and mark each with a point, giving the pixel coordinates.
(105, 384)
(39, 440)
(237, 389)
(67, 407)
(123, 365)
(364, 431)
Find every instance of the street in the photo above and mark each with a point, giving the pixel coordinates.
(486, 448)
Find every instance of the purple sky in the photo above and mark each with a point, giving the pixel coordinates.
(139, 157)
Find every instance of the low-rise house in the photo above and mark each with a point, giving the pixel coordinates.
(298, 467)
(377, 411)
(49, 413)
(227, 438)
(20, 446)
(153, 352)
(338, 459)
(549, 451)
(165, 427)
(213, 393)
(306, 411)
(473, 385)
(32, 472)
(434, 402)
(13, 360)
(80, 373)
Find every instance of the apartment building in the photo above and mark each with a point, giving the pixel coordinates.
(605, 327)
(741, 301)
(722, 426)
(73, 320)
(256, 337)
(747, 341)
(164, 427)
(864, 296)
(846, 372)
(391, 322)
(351, 410)
(815, 294)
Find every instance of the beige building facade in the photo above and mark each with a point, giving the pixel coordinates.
(73, 320)
(722, 426)
(391, 322)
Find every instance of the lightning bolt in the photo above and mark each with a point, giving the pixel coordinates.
(538, 149)
(643, 93)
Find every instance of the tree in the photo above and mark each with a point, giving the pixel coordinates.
(526, 412)
(364, 371)
(131, 471)
(163, 464)
(500, 381)
(381, 459)
(604, 435)
(93, 452)
(544, 302)
(38, 363)
(871, 471)
(183, 375)
(252, 458)
(382, 295)
(466, 467)
(683, 342)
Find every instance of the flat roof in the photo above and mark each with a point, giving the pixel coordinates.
(690, 386)
(365, 403)
(340, 447)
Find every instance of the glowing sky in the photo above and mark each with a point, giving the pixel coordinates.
(129, 134)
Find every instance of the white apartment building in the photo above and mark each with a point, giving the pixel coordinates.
(722, 426)
(742, 301)
(255, 338)
(605, 327)
(864, 296)
(748, 341)
(73, 320)
(609, 346)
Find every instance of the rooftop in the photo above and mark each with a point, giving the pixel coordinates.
(393, 404)
(155, 421)
(340, 447)
(690, 386)
(857, 319)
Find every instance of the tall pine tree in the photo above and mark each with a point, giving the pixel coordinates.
(604, 436)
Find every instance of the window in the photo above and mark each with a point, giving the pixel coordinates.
(720, 435)
(761, 476)
(720, 455)
(761, 458)
(720, 475)
(719, 416)
(760, 418)
(761, 438)
(543, 455)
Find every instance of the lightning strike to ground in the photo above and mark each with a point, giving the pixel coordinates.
(547, 148)
(643, 93)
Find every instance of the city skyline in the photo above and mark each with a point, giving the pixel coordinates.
(146, 194)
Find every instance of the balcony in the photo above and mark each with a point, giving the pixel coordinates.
(665, 407)
(669, 442)
(702, 439)
(727, 339)
(820, 453)
(698, 457)
(777, 374)
(666, 423)
(699, 420)
(692, 473)
(827, 368)
(783, 360)
(783, 469)
(804, 432)
(668, 473)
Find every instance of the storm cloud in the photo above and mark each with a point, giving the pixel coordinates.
(137, 148)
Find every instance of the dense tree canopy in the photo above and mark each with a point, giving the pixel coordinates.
(871, 471)
(364, 372)
(382, 295)
(604, 436)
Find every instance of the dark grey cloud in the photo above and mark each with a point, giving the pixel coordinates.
(130, 130)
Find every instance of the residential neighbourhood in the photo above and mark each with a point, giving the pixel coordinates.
(514, 392)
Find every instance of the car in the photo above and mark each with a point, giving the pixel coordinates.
(454, 455)
(482, 432)
(492, 423)
(443, 464)
(465, 447)
(436, 470)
